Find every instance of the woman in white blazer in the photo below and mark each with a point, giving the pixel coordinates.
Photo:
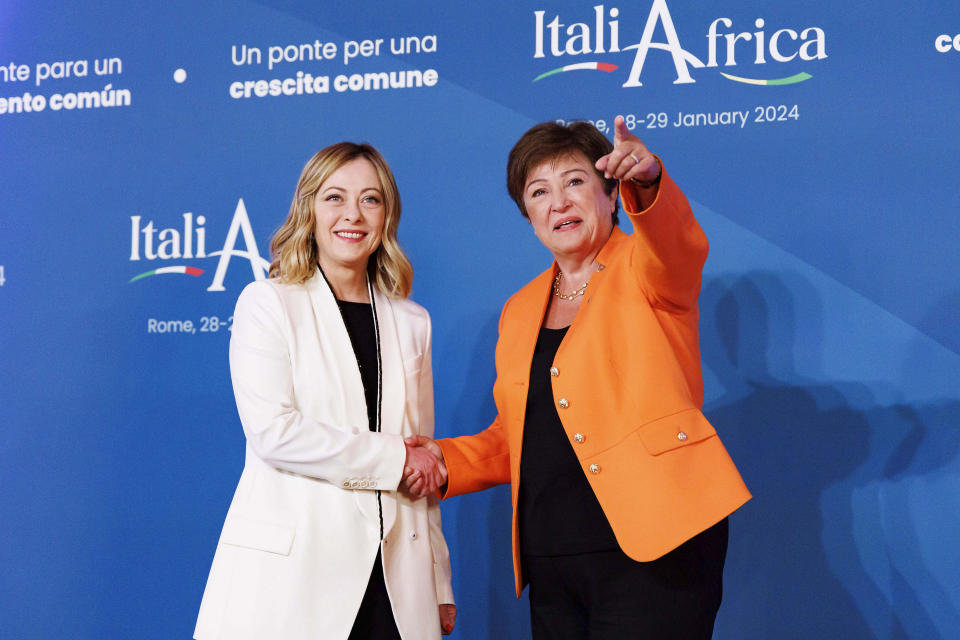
(331, 371)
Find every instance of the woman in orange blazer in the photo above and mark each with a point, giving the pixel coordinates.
(620, 486)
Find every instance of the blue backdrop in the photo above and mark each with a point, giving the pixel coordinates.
(148, 153)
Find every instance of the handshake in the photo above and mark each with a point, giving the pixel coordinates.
(423, 471)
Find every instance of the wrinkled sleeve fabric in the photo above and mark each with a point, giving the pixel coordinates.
(669, 249)
(442, 574)
(476, 462)
(276, 430)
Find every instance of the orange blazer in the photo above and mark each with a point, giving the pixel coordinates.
(628, 386)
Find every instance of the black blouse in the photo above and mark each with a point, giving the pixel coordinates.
(559, 513)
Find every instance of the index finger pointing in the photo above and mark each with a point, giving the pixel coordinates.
(620, 130)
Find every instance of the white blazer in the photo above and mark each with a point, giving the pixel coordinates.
(303, 529)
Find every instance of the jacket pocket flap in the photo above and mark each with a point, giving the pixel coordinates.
(675, 431)
(242, 531)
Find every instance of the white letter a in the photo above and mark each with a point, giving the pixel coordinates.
(258, 264)
(681, 58)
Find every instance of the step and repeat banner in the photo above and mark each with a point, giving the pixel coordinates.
(148, 151)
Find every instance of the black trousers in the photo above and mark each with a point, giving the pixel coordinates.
(375, 617)
(606, 595)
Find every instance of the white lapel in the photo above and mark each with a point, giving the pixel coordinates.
(393, 400)
(334, 339)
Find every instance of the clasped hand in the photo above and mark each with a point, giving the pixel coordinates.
(424, 471)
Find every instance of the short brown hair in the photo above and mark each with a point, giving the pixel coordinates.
(548, 141)
(294, 248)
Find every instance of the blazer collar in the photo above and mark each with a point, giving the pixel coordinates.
(393, 391)
(616, 238)
(333, 335)
(533, 299)
(393, 399)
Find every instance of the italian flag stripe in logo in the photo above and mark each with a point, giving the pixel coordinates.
(590, 66)
(190, 271)
(794, 79)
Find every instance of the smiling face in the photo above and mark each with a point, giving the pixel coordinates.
(568, 207)
(349, 211)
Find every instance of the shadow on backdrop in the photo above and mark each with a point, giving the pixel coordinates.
(805, 553)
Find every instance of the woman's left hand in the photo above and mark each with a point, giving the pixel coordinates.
(448, 618)
(630, 158)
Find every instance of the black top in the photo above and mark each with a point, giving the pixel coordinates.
(358, 316)
(559, 513)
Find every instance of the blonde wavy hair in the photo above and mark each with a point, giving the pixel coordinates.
(293, 248)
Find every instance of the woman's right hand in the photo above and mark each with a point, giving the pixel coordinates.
(424, 471)
(630, 159)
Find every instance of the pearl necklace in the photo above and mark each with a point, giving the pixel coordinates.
(571, 297)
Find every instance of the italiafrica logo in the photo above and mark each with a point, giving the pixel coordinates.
(189, 242)
(603, 37)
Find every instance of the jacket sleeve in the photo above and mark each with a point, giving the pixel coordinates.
(476, 462)
(442, 574)
(669, 248)
(276, 430)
